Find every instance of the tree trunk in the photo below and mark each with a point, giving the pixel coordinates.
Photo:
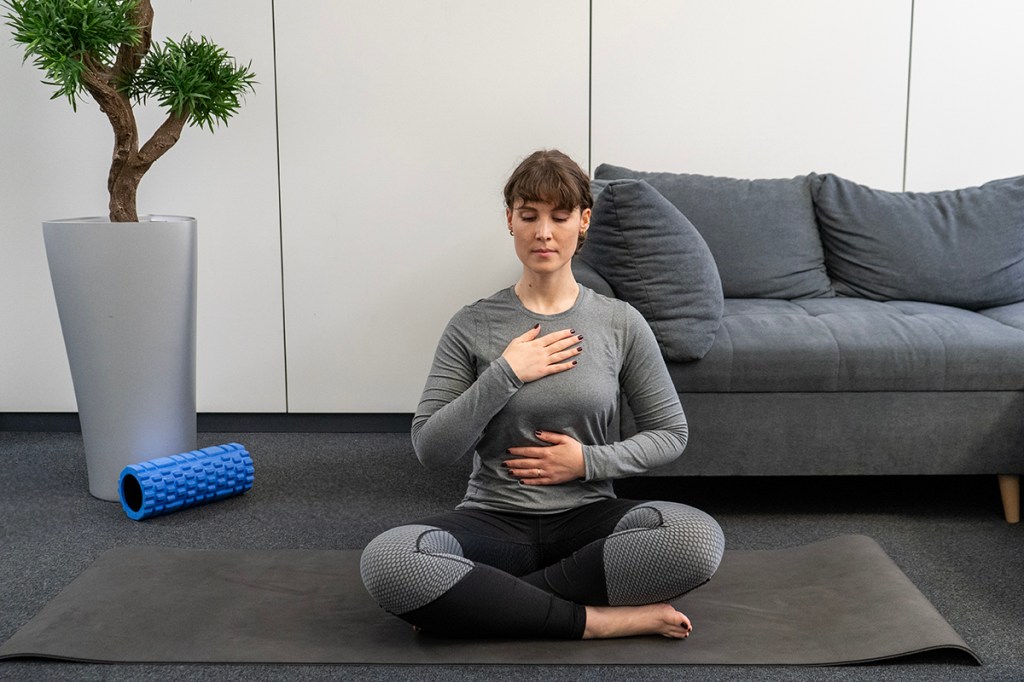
(124, 185)
(104, 84)
(123, 191)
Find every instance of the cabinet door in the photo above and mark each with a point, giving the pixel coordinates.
(227, 180)
(399, 123)
(966, 95)
(746, 88)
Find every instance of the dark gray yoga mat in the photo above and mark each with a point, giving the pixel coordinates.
(841, 600)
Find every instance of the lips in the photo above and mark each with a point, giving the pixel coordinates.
(543, 252)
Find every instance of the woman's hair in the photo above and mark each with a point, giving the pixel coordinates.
(550, 176)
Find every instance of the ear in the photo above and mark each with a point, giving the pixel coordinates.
(508, 217)
(585, 219)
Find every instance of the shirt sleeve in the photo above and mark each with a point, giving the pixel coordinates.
(456, 405)
(661, 425)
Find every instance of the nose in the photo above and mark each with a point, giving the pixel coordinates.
(544, 229)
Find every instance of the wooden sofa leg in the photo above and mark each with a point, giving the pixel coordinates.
(1009, 489)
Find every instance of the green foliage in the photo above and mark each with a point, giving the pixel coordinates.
(196, 80)
(62, 36)
(193, 79)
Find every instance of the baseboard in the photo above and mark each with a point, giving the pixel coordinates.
(223, 422)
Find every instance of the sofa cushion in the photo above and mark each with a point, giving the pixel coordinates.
(1011, 315)
(654, 259)
(963, 247)
(586, 275)
(762, 233)
(847, 344)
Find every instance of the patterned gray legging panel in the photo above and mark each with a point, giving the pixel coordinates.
(660, 550)
(410, 566)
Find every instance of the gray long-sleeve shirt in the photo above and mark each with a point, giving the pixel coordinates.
(474, 403)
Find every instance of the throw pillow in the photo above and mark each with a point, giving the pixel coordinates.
(962, 247)
(762, 233)
(654, 259)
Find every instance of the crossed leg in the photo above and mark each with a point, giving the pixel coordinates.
(604, 570)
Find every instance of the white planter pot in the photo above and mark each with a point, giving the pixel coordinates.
(126, 296)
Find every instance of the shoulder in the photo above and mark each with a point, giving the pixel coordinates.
(615, 310)
(496, 304)
(630, 328)
(470, 319)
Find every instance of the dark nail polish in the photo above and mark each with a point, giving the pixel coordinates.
(580, 349)
(572, 331)
(536, 325)
(574, 362)
(537, 432)
(580, 337)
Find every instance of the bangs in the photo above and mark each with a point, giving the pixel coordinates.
(549, 177)
(549, 185)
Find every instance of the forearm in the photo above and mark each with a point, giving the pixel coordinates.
(447, 427)
(637, 454)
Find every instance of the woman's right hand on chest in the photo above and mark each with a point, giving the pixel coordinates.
(533, 357)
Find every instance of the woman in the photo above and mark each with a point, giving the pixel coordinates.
(528, 382)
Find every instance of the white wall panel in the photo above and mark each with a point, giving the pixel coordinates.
(54, 166)
(747, 88)
(967, 93)
(228, 180)
(399, 123)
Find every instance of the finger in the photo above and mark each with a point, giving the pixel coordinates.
(528, 473)
(530, 334)
(532, 452)
(551, 436)
(563, 341)
(565, 355)
(561, 336)
(523, 464)
(557, 367)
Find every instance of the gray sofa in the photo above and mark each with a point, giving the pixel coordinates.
(815, 326)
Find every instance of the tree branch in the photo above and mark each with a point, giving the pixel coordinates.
(115, 104)
(129, 57)
(163, 139)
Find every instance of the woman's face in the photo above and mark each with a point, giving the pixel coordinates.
(546, 236)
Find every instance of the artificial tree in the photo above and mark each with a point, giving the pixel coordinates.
(104, 48)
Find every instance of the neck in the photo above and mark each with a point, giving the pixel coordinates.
(547, 294)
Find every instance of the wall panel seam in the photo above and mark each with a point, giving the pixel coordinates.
(280, 203)
(906, 122)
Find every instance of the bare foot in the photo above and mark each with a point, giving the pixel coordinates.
(628, 621)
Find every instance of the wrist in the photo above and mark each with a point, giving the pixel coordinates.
(585, 471)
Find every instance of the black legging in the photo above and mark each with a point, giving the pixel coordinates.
(473, 573)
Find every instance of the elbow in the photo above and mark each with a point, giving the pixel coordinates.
(430, 459)
(423, 454)
(683, 436)
(431, 451)
(426, 455)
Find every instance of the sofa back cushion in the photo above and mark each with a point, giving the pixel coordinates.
(963, 247)
(762, 233)
(654, 259)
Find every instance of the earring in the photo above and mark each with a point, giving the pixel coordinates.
(511, 233)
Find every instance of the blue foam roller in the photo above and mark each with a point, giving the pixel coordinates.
(169, 484)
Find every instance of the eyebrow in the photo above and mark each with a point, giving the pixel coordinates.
(525, 207)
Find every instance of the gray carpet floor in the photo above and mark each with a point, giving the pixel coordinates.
(339, 490)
